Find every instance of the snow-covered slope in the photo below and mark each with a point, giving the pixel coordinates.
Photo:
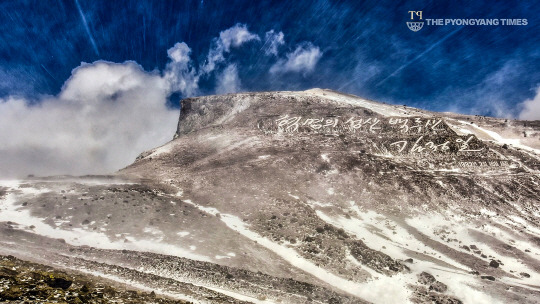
(303, 197)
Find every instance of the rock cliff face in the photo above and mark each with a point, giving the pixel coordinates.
(301, 197)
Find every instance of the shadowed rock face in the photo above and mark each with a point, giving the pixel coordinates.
(303, 197)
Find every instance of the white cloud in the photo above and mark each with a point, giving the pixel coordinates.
(234, 36)
(272, 42)
(179, 53)
(303, 59)
(105, 115)
(228, 81)
(531, 108)
(184, 77)
(180, 72)
(215, 57)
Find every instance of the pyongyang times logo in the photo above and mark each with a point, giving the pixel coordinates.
(415, 26)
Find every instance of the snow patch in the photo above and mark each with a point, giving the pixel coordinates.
(79, 236)
(325, 157)
(385, 110)
(389, 289)
(457, 228)
(166, 148)
(293, 196)
(238, 296)
(498, 138)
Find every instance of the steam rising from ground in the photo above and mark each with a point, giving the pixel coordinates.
(107, 113)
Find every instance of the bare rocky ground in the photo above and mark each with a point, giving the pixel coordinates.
(300, 197)
(25, 282)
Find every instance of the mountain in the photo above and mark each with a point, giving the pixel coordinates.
(301, 197)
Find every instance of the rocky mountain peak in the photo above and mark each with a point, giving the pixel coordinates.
(303, 197)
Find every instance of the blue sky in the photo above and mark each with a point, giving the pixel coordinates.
(479, 69)
(64, 63)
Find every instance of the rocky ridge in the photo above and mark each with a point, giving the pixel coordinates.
(301, 197)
